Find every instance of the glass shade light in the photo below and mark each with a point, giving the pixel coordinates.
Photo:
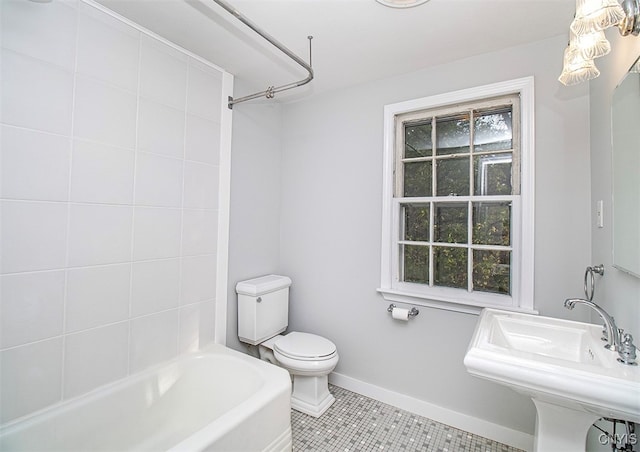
(591, 45)
(596, 15)
(401, 3)
(576, 68)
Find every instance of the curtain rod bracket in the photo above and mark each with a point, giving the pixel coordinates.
(271, 91)
(270, 94)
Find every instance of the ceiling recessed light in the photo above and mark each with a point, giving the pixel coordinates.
(402, 3)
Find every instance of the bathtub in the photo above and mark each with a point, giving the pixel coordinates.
(217, 400)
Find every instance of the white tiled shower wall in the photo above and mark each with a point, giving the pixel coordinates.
(110, 148)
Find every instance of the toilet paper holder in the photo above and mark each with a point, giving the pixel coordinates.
(412, 312)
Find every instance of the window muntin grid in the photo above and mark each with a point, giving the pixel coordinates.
(456, 179)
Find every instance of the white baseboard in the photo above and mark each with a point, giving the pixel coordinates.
(461, 421)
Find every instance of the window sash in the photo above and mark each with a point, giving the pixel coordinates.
(467, 296)
(470, 108)
(468, 112)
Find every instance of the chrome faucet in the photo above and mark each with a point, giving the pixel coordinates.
(613, 334)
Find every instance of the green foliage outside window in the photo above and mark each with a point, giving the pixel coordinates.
(485, 238)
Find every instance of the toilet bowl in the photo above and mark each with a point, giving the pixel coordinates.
(309, 358)
(263, 314)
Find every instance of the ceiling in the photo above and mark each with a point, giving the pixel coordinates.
(354, 41)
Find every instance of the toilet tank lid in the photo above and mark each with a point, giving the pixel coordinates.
(263, 285)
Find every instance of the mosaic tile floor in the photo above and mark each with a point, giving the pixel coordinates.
(358, 423)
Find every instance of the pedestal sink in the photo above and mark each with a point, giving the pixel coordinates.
(563, 366)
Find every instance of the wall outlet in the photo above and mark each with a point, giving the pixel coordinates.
(599, 214)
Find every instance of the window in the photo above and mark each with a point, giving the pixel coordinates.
(458, 199)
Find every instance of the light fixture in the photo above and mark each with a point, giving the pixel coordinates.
(630, 25)
(401, 3)
(587, 40)
(596, 15)
(591, 45)
(576, 68)
(578, 65)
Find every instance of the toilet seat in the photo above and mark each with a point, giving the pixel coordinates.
(305, 347)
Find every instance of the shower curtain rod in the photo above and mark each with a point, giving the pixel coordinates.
(270, 92)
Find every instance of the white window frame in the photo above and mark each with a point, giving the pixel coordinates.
(522, 290)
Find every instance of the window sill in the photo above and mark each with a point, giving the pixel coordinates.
(399, 296)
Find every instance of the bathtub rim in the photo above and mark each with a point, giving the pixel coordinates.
(276, 381)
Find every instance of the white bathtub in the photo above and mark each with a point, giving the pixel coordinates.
(218, 400)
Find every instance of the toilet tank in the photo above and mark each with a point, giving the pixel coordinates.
(263, 308)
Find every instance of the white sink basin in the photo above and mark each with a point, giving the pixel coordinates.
(543, 336)
(558, 363)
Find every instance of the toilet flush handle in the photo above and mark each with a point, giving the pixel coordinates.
(259, 300)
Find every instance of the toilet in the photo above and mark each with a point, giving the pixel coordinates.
(263, 314)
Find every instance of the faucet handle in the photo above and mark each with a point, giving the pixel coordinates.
(627, 351)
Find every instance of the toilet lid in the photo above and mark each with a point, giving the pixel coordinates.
(305, 346)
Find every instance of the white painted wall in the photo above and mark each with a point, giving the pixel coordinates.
(110, 160)
(254, 237)
(331, 219)
(617, 292)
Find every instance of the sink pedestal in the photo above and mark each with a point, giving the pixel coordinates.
(559, 428)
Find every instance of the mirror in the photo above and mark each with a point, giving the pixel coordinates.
(625, 127)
